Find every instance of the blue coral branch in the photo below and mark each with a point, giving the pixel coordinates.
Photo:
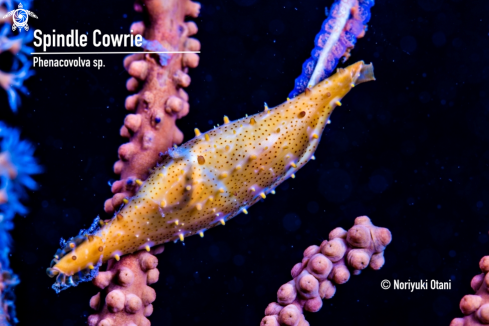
(338, 35)
(17, 165)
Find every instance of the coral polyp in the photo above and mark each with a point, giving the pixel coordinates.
(12, 80)
(211, 178)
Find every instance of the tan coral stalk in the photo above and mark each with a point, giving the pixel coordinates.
(126, 299)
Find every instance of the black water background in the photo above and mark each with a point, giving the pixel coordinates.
(410, 150)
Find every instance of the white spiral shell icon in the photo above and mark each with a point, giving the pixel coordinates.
(20, 18)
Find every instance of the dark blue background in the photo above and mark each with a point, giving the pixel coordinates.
(409, 150)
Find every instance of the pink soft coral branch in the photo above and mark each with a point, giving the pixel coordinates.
(475, 307)
(126, 298)
(160, 98)
(324, 266)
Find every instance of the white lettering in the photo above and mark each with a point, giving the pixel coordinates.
(139, 40)
(95, 32)
(37, 36)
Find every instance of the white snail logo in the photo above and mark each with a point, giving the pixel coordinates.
(21, 16)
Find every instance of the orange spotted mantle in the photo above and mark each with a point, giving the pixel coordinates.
(216, 175)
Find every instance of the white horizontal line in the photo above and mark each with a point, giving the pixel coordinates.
(169, 52)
